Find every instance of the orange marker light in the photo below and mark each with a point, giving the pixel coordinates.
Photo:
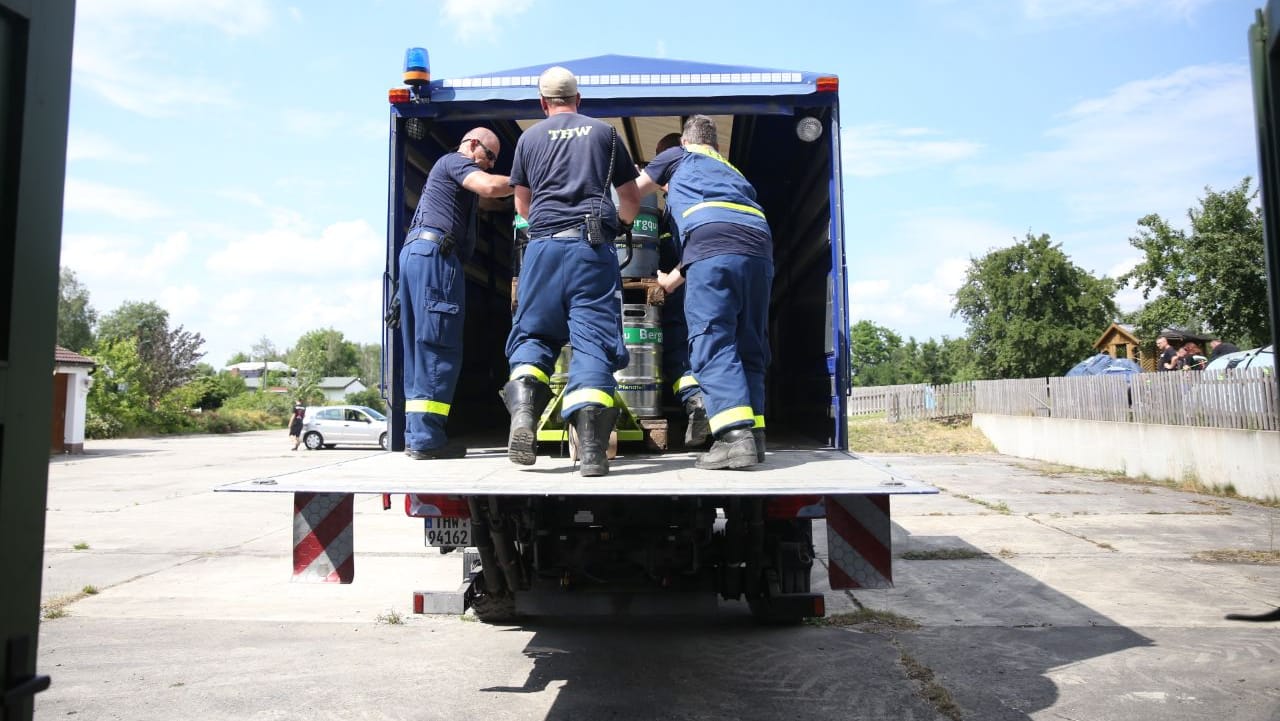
(398, 95)
(828, 84)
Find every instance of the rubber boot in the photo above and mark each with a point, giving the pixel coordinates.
(699, 428)
(733, 449)
(757, 434)
(526, 398)
(450, 449)
(593, 425)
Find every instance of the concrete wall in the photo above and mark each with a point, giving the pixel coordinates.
(1248, 460)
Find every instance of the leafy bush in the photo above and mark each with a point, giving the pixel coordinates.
(277, 407)
(234, 421)
(368, 397)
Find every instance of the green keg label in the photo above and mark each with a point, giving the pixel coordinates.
(645, 224)
(636, 334)
(519, 223)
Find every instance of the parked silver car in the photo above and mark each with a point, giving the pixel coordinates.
(329, 426)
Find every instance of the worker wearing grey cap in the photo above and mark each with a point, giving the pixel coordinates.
(570, 287)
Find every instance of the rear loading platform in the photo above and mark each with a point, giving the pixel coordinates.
(655, 536)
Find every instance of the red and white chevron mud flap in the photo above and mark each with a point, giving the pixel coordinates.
(323, 540)
(859, 545)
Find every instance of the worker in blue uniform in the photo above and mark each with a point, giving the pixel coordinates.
(675, 331)
(432, 288)
(570, 287)
(727, 270)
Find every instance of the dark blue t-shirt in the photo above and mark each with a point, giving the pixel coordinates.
(447, 206)
(705, 232)
(563, 161)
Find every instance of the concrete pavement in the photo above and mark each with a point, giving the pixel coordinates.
(1086, 605)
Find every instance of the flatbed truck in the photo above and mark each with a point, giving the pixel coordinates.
(656, 535)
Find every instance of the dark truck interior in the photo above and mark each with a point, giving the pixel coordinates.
(793, 182)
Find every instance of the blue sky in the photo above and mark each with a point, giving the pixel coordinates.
(227, 159)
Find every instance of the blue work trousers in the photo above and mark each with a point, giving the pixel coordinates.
(432, 294)
(727, 308)
(570, 291)
(675, 347)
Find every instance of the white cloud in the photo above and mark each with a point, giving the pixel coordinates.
(84, 196)
(1148, 146)
(478, 19)
(87, 145)
(290, 248)
(874, 150)
(114, 58)
(232, 17)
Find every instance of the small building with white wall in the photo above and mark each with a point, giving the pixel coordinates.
(71, 383)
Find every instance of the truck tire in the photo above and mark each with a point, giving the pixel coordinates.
(494, 609)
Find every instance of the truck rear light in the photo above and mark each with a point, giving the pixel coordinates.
(788, 507)
(421, 505)
(398, 95)
(828, 84)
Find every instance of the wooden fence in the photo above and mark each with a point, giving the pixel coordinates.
(1241, 398)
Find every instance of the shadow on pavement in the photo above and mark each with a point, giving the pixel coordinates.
(727, 666)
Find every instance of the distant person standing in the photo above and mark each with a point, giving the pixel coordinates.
(295, 423)
(1166, 360)
(1218, 347)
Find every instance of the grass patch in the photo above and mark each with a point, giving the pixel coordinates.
(998, 506)
(391, 618)
(1238, 555)
(930, 690)
(1006, 553)
(874, 434)
(57, 607)
(943, 554)
(869, 618)
(81, 546)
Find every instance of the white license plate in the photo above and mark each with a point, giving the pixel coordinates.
(448, 531)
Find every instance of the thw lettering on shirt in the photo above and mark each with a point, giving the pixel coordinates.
(569, 133)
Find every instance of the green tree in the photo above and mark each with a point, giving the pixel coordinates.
(118, 402)
(370, 364)
(238, 357)
(367, 397)
(75, 316)
(169, 357)
(872, 350)
(324, 352)
(1030, 311)
(1212, 276)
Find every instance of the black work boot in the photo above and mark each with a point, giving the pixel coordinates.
(757, 434)
(695, 434)
(593, 425)
(450, 449)
(526, 397)
(732, 449)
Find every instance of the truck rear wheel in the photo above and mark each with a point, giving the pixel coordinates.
(491, 609)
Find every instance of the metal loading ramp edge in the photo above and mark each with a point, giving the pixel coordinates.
(488, 472)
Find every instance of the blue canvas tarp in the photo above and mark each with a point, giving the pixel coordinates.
(1103, 364)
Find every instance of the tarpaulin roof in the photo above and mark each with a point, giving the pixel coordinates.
(625, 76)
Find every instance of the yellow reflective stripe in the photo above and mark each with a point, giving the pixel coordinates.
(684, 381)
(588, 395)
(723, 204)
(759, 421)
(425, 406)
(733, 415)
(710, 152)
(529, 370)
